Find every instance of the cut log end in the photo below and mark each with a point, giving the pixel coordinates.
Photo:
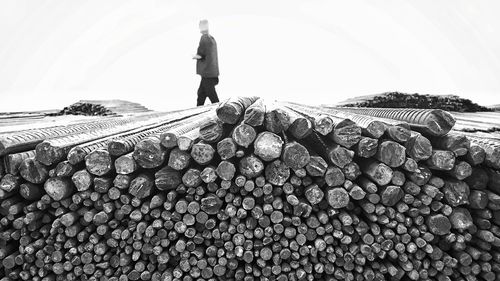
(48, 154)
(244, 135)
(295, 155)
(268, 146)
(58, 188)
(99, 162)
(391, 153)
(149, 153)
(338, 197)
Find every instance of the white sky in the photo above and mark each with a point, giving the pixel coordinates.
(53, 53)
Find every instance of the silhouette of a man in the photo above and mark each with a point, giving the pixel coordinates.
(207, 66)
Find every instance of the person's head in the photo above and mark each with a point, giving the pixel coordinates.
(203, 26)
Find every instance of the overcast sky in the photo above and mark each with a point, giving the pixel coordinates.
(53, 53)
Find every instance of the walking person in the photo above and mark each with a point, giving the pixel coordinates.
(207, 66)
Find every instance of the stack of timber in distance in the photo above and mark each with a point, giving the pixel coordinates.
(403, 100)
(255, 190)
(102, 108)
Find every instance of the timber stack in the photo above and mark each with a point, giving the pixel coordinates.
(251, 190)
(403, 100)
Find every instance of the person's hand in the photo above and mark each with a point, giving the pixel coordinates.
(196, 57)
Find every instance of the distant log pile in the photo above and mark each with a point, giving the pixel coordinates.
(102, 108)
(402, 100)
(251, 190)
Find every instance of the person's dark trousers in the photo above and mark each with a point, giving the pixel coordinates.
(207, 89)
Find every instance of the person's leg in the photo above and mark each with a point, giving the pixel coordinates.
(210, 90)
(202, 95)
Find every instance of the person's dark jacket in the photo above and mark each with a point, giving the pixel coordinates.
(208, 65)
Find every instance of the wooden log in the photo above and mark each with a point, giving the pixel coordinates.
(187, 140)
(65, 169)
(346, 133)
(226, 170)
(268, 146)
(391, 153)
(149, 153)
(131, 131)
(99, 162)
(167, 178)
(232, 110)
(277, 173)
(399, 133)
(339, 156)
(10, 183)
(141, 186)
(461, 219)
(58, 188)
(369, 126)
(366, 147)
(251, 166)
(334, 176)
(337, 197)
(178, 159)
(295, 155)
(33, 171)
(12, 162)
(182, 134)
(212, 131)
(244, 135)
(30, 191)
(317, 166)
(314, 194)
(438, 224)
(391, 195)
(300, 126)
(192, 178)
(461, 170)
(457, 143)
(442, 160)
(432, 122)
(323, 124)
(475, 154)
(227, 148)
(277, 119)
(456, 192)
(378, 172)
(352, 171)
(255, 113)
(126, 164)
(418, 147)
(208, 175)
(421, 176)
(410, 165)
(211, 204)
(82, 180)
(27, 139)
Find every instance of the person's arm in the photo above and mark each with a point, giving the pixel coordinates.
(202, 48)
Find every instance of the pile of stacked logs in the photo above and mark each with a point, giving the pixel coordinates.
(403, 100)
(253, 190)
(102, 108)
